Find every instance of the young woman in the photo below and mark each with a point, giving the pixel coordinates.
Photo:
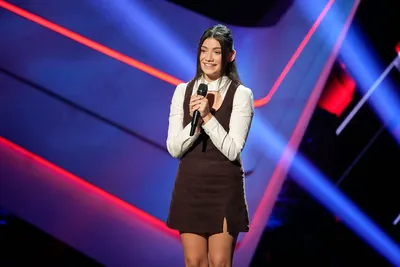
(208, 204)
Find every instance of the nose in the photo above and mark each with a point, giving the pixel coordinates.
(209, 57)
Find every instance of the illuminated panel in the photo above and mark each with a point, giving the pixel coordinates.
(152, 71)
(338, 94)
(79, 182)
(267, 98)
(96, 46)
(88, 219)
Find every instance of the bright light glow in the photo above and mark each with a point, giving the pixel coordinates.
(364, 99)
(313, 181)
(396, 221)
(365, 68)
(162, 43)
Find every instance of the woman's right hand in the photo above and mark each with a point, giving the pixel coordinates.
(194, 103)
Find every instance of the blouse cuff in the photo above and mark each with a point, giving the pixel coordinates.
(210, 125)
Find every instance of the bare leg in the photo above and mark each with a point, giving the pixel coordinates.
(221, 247)
(195, 249)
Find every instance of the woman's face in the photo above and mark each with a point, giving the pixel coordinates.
(211, 59)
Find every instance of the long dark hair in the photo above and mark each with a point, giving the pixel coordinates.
(223, 35)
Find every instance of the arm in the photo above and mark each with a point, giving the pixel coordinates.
(179, 140)
(231, 144)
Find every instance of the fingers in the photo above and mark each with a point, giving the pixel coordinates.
(195, 98)
(193, 104)
(200, 106)
(197, 102)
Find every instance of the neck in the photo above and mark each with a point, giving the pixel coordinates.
(210, 79)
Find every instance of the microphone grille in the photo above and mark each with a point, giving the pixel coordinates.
(202, 90)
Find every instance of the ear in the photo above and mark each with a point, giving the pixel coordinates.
(232, 56)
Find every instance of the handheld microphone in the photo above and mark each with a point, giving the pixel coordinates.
(202, 90)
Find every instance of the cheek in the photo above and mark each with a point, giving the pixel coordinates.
(219, 65)
(203, 56)
(219, 60)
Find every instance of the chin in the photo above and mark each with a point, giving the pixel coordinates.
(212, 74)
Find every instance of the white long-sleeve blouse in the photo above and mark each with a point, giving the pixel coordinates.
(229, 143)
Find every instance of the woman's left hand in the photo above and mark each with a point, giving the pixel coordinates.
(204, 109)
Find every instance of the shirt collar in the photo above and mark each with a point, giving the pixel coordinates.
(217, 85)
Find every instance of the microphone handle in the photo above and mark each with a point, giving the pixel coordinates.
(196, 115)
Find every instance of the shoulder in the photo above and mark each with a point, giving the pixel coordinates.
(243, 99)
(244, 93)
(181, 86)
(179, 94)
(180, 89)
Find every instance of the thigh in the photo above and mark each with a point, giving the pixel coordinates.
(221, 247)
(194, 249)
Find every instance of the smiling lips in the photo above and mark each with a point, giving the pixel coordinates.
(209, 65)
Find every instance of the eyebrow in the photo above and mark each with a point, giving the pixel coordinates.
(215, 48)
